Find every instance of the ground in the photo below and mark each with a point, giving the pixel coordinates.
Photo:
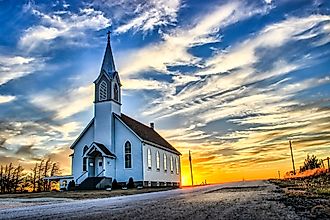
(241, 200)
(309, 195)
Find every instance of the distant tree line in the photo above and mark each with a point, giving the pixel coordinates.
(13, 178)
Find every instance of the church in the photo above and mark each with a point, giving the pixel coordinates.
(116, 147)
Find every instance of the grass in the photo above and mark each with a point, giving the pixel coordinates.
(317, 185)
(323, 191)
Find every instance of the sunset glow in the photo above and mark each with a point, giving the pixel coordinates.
(231, 81)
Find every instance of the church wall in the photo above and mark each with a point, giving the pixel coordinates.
(161, 176)
(102, 123)
(109, 166)
(77, 167)
(123, 134)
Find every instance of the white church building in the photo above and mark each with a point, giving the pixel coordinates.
(114, 146)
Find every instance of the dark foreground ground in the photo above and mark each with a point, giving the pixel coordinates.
(243, 200)
(308, 195)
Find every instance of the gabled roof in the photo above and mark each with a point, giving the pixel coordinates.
(104, 149)
(98, 147)
(146, 133)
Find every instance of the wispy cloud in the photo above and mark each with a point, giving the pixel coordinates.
(69, 103)
(148, 15)
(6, 98)
(13, 67)
(173, 50)
(67, 25)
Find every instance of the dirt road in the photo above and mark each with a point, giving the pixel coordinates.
(243, 200)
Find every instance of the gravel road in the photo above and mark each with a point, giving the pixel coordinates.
(242, 200)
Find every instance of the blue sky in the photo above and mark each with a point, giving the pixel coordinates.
(232, 81)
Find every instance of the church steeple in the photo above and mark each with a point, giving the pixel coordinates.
(108, 65)
(107, 84)
(107, 99)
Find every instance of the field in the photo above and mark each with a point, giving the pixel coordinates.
(308, 195)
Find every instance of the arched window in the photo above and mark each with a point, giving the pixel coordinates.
(128, 155)
(115, 93)
(171, 164)
(165, 162)
(157, 161)
(103, 91)
(177, 165)
(149, 158)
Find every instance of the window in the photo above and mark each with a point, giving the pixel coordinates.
(165, 162)
(157, 161)
(177, 165)
(128, 155)
(115, 93)
(100, 163)
(171, 164)
(84, 164)
(103, 91)
(149, 158)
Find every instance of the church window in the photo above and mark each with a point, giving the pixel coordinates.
(165, 162)
(84, 164)
(116, 93)
(128, 155)
(177, 165)
(149, 158)
(171, 164)
(103, 91)
(157, 161)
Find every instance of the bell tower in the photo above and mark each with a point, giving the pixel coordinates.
(107, 99)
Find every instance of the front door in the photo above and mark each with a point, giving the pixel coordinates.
(91, 167)
(99, 166)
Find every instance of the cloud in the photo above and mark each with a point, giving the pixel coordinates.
(148, 15)
(6, 98)
(14, 67)
(25, 150)
(262, 107)
(222, 89)
(228, 151)
(173, 49)
(272, 36)
(138, 84)
(33, 140)
(65, 103)
(65, 25)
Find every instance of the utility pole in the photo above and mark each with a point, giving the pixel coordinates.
(294, 169)
(191, 171)
(279, 174)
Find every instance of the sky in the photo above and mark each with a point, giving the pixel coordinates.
(232, 81)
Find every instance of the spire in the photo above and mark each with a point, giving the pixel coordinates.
(108, 64)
